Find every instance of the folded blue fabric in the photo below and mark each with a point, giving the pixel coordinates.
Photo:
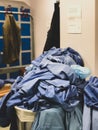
(91, 93)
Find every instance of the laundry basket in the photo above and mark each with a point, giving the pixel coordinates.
(25, 118)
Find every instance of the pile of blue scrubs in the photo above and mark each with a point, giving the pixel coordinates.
(49, 80)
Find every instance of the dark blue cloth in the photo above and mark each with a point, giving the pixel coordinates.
(1, 83)
(60, 56)
(9, 81)
(91, 93)
(53, 35)
(75, 55)
(4, 119)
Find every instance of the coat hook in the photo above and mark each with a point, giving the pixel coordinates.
(8, 9)
(57, 1)
(24, 11)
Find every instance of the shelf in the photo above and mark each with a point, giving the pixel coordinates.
(11, 69)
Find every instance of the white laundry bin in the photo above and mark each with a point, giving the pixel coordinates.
(25, 118)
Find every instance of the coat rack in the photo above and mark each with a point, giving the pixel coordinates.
(23, 11)
(25, 21)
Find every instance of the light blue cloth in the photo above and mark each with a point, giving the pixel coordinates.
(90, 119)
(86, 118)
(91, 93)
(82, 72)
(63, 71)
(50, 119)
(74, 119)
(94, 119)
(58, 119)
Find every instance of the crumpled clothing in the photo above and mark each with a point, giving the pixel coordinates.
(82, 72)
(33, 89)
(91, 93)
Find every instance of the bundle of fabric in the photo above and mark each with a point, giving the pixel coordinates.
(50, 80)
(90, 113)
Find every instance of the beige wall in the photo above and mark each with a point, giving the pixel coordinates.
(43, 11)
(25, 1)
(84, 43)
(96, 37)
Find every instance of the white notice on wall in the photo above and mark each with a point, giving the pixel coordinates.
(74, 19)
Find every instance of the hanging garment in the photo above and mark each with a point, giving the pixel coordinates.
(58, 119)
(53, 36)
(11, 37)
(90, 118)
(73, 119)
(90, 114)
(86, 118)
(50, 119)
(91, 93)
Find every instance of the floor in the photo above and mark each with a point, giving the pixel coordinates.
(6, 128)
(27, 127)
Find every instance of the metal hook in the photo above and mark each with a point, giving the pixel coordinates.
(57, 1)
(24, 11)
(8, 9)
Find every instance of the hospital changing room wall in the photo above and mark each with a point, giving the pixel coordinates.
(84, 40)
(42, 12)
